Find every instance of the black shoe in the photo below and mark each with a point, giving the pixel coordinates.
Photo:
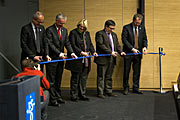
(55, 104)
(84, 98)
(74, 99)
(111, 95)
(125, 92)
(61, 101)
(137, 91)
(101, 96)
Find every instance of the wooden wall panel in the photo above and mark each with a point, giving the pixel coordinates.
(166, 35)
(162, 27)
(147, 68)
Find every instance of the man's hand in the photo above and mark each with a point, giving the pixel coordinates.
(38, 58)
(145, 50)
(123, 53)
(62, 55)
(84, 53)
(48, 58)
(135, 51)
(73, 55)
(95, 54)
(114, 54)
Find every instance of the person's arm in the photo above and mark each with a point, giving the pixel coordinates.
(145, 43)
(49, 37)
(124, 37)
(92, 50)
(72, 39)
(100, 43)
(45, 82)
(24, 43)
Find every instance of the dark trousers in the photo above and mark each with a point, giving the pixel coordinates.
(78, 83)
(44, 106)
(135, 61)
(54, 75)
(105, 72)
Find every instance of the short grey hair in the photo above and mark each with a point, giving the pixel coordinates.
(60, 16)
(37, 14)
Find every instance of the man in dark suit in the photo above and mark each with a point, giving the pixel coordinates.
(57, 37)
(82, 46)
(135, 40)
(33, 42)
(106, 43)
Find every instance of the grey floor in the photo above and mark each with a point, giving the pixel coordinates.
(149, 106)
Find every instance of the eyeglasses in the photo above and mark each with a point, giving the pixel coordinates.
(112, 28)
(38, 21)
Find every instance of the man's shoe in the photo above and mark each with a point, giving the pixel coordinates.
(56, 104)
(111, 95)
(74, 99)
(125, 92)
(101, 96)
(61, 101)
(84, 98)
(137, 91)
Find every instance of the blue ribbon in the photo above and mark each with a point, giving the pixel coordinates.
(93, 56)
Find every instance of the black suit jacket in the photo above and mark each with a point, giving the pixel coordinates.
(128, 38)
(28, 44)
(56, 46)
(103, 46)
(77, 43)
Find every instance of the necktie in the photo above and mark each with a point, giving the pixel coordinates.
(111, 41)
(136, 38)
(85, 47)
(37, 41)
(59, 33)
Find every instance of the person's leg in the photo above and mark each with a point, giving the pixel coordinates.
(44, 106)
(108, 77)
(82, 83)
(74, 85)
(59, 73)
(100, 74)
(51, 76)
(136, 72)
(127, 67)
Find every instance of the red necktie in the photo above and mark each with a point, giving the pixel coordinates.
(59, 33)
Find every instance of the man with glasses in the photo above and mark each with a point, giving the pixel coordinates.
(57, 37)
(33, 42)
(106, 43)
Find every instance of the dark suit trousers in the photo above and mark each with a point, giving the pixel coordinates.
(78, 83)
(135, 60)
(54, 74)
(105, 72)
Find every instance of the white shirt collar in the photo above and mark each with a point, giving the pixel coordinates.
(33, 26)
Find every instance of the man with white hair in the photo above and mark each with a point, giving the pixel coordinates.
(57, 37)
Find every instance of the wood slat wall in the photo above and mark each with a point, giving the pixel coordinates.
(162, 27)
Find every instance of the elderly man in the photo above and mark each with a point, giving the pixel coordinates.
(57, 37)
(33, 42)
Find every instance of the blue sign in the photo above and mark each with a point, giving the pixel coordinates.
(30, 107)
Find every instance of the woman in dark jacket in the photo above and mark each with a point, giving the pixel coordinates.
(82, 46)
